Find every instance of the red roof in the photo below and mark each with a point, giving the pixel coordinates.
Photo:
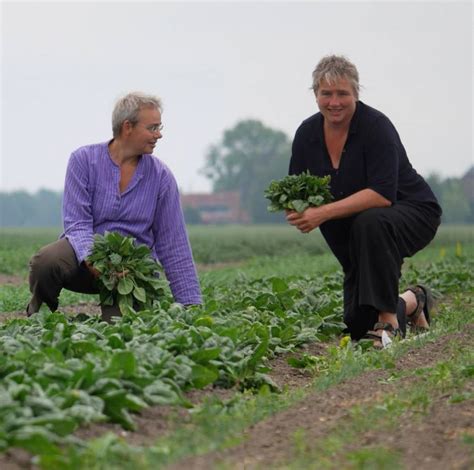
(222, 207)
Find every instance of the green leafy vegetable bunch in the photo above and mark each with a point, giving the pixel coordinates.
(128, 273)
(298, 192)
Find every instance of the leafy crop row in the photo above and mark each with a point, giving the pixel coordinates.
(57, 373)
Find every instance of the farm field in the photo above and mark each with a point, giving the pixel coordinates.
(261, 376)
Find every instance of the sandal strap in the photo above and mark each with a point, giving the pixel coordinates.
(381, 327)
(384, 326)
(420, 303)
(395, 332)
(372, 335)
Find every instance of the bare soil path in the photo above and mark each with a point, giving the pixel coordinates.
(12, 280)
(430, 443)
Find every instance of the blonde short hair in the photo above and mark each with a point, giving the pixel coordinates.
(332, 68)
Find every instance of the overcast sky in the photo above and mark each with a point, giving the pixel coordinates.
(64, 64)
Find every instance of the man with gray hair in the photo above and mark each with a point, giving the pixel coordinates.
(119, 186)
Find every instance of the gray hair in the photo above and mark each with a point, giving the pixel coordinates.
(128, 107)
(334, 67)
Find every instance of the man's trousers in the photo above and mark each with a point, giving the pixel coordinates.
(55, 267)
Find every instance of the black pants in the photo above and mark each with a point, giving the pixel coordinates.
(378, 241)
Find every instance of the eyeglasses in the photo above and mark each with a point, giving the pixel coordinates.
(153, 128)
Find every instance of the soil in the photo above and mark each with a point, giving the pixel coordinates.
(89, 308)
(157, 421)
(12, 280)
(430, 442)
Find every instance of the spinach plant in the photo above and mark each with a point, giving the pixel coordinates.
(128, 272)
(298, 192)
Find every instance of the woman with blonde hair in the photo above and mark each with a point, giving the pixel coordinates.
(383, 211)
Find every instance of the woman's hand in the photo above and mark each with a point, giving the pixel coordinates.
(308, 220)
(313, 217)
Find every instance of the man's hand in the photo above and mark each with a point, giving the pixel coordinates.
(92, 270)
(308, 220)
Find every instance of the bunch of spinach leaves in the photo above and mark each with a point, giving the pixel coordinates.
(298, 192)
(128, 273)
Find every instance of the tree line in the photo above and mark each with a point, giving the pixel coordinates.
(246, 159)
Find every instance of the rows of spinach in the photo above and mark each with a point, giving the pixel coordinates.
(58, 373)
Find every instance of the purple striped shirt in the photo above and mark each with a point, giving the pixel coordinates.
(148, 210)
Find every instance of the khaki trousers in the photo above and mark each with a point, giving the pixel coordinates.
(55, 267)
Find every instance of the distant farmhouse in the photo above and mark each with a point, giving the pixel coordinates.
(217, 208)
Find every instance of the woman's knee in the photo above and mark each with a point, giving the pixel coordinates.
(370, 230)
(369, 218)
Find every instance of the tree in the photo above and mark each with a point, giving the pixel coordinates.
(22, 209)
(247, 158)
(456, 208)
(455, 199)
(436, 184)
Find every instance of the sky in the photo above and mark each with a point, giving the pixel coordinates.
(64, 64)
